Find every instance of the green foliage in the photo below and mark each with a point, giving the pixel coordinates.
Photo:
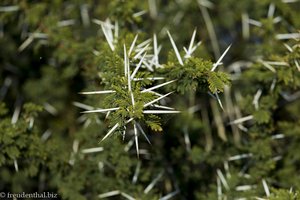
(217, 81)
(284, 194)
(20, 143)
(262, 116)
(54, 50)
(195, 74)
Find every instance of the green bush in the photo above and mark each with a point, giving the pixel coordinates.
(150, 99)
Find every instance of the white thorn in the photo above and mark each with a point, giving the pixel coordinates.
(136, 173)
(136, 139)
(297, 64)
(156, 61)
(195, 47)
(16, 114)
(219, 189)
(92, 150)
(241, 120)
(83, 106)
(157, 86)
(254, 22)
(206, 3)
(240, 156)
(245, 187)
(267, 65)
(31, 122)
(152, 8)
(256, 99)
(128, 75)
(277, 19)
(220, 59)
(287, 36)
(132, 44)
(187, 141)
(273, 85)
(223, 180)
(99, 92)
(277, 63)
(151, 185)
(163, 107)
(266, 188)
(141, 45)
(140, 13)
(125, 61)
(138, 66)
(150, 78)
(288, 47)
(127, 196)
(109, 194)
(101, 110)
(289, 1)
(37, 35)
(16, 165)
(99, 22)
(148, 66)
(170, 195)
(143, 132)
(111, 131)
(175, 49)
(75, 146)
(129, 120)
(85, 15)
(100, 166)
(160, 111)
(192, 41)
(124, 132)
(186, 51)
(226, 167)
(157, 99)
(108, 39)
(245, 25)
(26, 43)
(193, 109)
(141, 52)
(156, 93)
(271, 10)
(46, 135)
(153, 58)
(129, 145)
(219, 101)
(9, 8)
(4, 88)
(64, 23)
(51, 109)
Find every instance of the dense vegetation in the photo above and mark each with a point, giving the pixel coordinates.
(152, 99)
